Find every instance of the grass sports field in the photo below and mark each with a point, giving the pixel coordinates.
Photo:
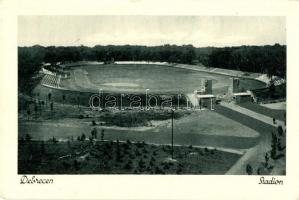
(136, 78)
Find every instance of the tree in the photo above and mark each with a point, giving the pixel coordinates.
(118, 154)
(42, 148)
(63, 98)
(28, 113)
(94, 133)
(52, 106)
(83, 137)
(128, 165)
(35, 110)
(54, 140)
(273, 146)
(102, 134)
(249, 169)
(266, 160)
(29, 65)
(280, 130)
(76, 165)
(49, 96)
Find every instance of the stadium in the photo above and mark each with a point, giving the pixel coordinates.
(137, 77)
(145, 77)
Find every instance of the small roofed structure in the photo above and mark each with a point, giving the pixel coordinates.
(204, 96)
(242, 97)
(206, 101)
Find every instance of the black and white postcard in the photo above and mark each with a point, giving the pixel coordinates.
(164, 105)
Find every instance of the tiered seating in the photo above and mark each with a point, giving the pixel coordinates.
(51, 81)
(279, 82)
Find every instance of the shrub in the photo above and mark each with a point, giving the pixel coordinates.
(141, 164)
(139, 145)
(83, 137)
(137, 153)
(66, 165)
(131, 156)
(144, 150)
(81, 116)
(42, 148)
(166, 166)
(280, 131)
(128, 165)
(54, 140)
(179, 170)
(159, 171)
(76, 165)
(249, 169)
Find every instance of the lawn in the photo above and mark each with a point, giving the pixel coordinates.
(245, 120)
(278, 114)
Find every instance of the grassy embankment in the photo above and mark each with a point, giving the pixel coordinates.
(41, 110)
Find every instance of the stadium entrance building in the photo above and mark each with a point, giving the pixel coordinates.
(240, 96)
(205, 97)
(206, 101)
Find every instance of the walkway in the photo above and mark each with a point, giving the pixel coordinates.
(255, 115)
(255, 155)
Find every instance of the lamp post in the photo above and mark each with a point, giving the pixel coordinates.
(179, 96)
(101, 98)
(121, 101)
(146, 98)
(172, 116)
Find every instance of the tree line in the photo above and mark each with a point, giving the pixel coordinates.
(270, 59)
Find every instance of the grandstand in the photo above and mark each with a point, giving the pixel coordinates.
(51, 80)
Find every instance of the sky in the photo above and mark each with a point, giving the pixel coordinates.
(200, 31)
